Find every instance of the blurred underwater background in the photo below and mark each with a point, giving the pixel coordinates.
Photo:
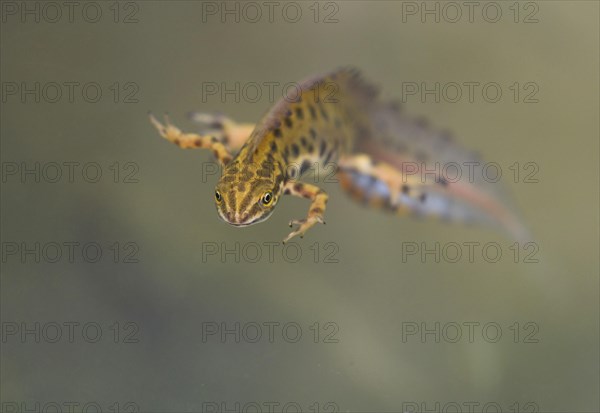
(371, 312)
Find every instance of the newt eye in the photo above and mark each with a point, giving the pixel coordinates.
(267, 198)
(218, 196)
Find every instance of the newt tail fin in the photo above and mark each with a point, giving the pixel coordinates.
(427, 173)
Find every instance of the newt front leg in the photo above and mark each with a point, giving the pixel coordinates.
(224, 138)
(316, 210)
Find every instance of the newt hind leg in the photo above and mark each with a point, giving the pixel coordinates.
(379, 185)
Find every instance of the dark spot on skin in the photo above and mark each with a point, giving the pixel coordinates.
(288, 122)
(264, 173)
(322, 148)
(313, 134)
(246, 175)
(277, 132)
(304, 167)
(286, 154)
(313, 113)
(303, 141)
(176, 142)
(405, 189)
(299, 113)
(198, 142)
(273, 147)
(422, 197)
(295, 150)
(311, 148)
(278, 180)
(286, 191)
(298, 187)
(214, 139)
(269, 167)
(316, 210)
(324, 114)
(276, 123)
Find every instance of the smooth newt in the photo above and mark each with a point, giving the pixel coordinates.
(382, 158)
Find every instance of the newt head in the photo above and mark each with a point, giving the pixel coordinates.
(247, 193)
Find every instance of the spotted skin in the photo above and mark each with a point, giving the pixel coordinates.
(336, 118)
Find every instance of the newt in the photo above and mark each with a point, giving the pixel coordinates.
(383, 158)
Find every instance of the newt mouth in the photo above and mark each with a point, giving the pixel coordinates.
(231, 222)
(235, 224)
